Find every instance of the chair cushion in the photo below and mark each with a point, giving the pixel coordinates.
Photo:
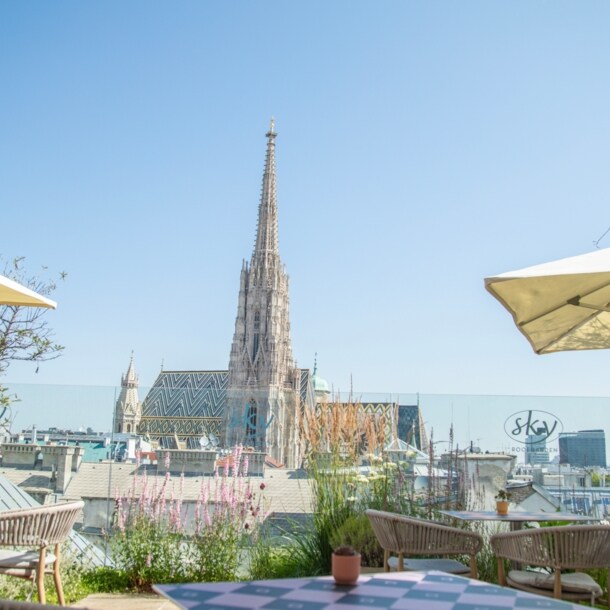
(576, 582)
(22, 559)
(442, 565)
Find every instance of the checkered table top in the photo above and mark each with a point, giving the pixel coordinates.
(397, 591)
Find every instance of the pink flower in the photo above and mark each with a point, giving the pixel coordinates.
(262, 486)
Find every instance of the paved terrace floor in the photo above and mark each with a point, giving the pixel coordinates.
(108, 601)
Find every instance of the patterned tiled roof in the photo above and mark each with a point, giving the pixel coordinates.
(187, 394)
(189, 404)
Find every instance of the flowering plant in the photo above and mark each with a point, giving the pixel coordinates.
(152, 541)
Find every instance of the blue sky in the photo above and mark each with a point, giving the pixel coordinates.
(422, 146)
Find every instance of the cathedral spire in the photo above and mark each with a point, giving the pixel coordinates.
(266, 231)
(263, 384)
(128, 408)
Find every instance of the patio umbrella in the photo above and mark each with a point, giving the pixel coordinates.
(561, 305)
(13, 293)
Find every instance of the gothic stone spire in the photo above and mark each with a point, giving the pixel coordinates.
(262, 373)
(128, 409)
(266, 249)
(262, 349)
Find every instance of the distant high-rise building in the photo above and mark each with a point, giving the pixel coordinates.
(583, 448)
(535, 449)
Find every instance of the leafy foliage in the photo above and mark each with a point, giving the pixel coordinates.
(24, 331)
(356, 531)
(105, 580)
(72, 572)
(153, 543)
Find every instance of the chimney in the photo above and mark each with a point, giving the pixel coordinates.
(64, 468)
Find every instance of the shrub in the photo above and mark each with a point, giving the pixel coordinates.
(151, 542)
(105, 580)
(356, 531)
(71, 577)
(267, 561)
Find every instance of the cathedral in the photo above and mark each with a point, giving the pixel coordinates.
(258, 400)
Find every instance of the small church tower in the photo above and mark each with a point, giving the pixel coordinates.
(262, 395)
(128, 409)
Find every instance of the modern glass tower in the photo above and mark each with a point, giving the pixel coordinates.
(583, 448)
(536, 451)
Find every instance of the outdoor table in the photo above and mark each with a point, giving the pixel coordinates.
(516, 518)
(400, 591)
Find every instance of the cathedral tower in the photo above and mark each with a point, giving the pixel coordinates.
(262, 395)
(128, 409)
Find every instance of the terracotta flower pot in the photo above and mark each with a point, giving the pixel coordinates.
(346, 568)
(502, 507)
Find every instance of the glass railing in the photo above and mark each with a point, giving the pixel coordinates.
(104, 459)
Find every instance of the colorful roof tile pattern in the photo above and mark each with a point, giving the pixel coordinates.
(189, 404)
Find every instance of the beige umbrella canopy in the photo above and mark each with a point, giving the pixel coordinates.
(561, 305)
(13, 293)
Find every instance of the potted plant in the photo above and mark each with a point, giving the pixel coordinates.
(502, 498)
(345, 565)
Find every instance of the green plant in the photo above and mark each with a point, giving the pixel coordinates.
(152, 543)
(72, 571)
(345, 550)
(388, 486)
(105, 580)
(215, 552)
(503, 495)
(357, 532)
(147, 551)
(487, 564)
(24, 331)
(267, 561)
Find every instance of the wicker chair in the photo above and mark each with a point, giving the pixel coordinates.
(36, 528)
(574, 547)
(407, 536)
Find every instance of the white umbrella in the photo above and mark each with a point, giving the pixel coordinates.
(561, 305)
(13, 293)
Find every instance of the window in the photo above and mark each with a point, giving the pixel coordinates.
(251, 423)
(256, 336)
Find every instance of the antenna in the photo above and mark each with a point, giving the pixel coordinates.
(602, 237)
(209, 441)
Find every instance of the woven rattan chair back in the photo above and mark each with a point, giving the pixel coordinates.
(411, 537)
(29, 532)
(570, 547)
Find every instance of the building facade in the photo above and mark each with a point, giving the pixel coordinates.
(256, 401)
(263, 391)
(536, 451)
(584, 448)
